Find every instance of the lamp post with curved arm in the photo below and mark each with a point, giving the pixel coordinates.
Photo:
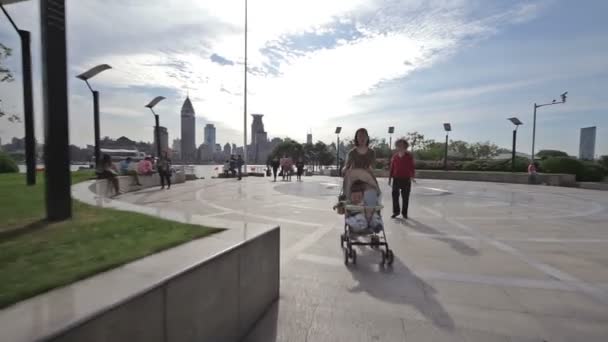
(85, 76)
(151, 105)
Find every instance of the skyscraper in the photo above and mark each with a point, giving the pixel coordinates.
(586, 150)
(309, 138)
(210, 134)
(177, 149)
(227, 149)
(210, 138)
(257, 126)
(189, 152)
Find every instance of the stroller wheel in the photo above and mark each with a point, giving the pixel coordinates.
(342, 240)
(390, 257)
(383, 258)
(345, 256)
(353, 256)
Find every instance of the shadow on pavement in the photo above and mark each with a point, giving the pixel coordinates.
(265, 330)
(397, 284)
(457, 245)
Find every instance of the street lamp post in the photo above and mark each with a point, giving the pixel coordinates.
(517, 123)
(447, 127)
(563, 96)
(245, 98)
(338, 130)
(391, 130)
(151, 105)
(28, 102)
(85, 76)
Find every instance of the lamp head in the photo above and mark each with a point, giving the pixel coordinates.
(93, 71)
(155, 101)
(447, 127)
(338, 130)
(515, 121)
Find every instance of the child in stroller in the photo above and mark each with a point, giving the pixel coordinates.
(361, 213)
(359, 202)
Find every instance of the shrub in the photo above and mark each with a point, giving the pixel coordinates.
(497, 165)
(7, 164)
(604, 162)
(592, 172)
(563, 165)
(544, 154)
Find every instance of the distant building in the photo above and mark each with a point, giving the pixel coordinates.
(188, 141)
(177, 149)
(227, 149)
(210, 138)
(309, 138)
(586, 149)
(233, 148)
(203, 153)
(164, 139)
(260, 149)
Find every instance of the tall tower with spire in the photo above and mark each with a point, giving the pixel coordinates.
(188, 132)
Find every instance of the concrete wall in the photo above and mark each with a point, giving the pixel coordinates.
(219, 299)
(487, 176)
(127, 183)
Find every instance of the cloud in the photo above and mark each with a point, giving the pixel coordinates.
(221, 60)
(307, 59)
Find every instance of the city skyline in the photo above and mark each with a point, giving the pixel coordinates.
(412, 65)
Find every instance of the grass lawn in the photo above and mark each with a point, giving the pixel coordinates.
(94, 240)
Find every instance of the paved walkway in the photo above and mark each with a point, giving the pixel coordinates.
(476, 261)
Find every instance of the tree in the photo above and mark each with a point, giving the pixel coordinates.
(461, 148)
(484, 150)
(432, 150)
(324, 155)
(544, 154)
(6, 76)
(288, 147)
(415, 139)
(381, 148)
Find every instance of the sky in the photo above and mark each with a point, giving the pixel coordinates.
(314, 65)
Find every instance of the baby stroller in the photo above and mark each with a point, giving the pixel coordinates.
(374, 230)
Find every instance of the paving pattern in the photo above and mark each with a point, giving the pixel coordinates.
(476, 261)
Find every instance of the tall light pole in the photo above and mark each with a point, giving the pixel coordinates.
(338, 130)
(563, 96)
(151, 105)
(517, 123)
(28, 102)
(391, 130)
(85, 76)
(447, 127)
(245, 99)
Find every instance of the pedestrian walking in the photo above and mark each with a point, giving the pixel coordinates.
(300, 169)
(164, 170)
(239, 165)
(402, 173)
(289, 168)
(107, 170)
(275, 167)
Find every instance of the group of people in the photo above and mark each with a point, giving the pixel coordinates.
(286, 166)
(127, 167)
(234, 166)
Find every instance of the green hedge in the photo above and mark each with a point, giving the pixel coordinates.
(592, 173)
(7, 164)
(504, 165)
(584, 171)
